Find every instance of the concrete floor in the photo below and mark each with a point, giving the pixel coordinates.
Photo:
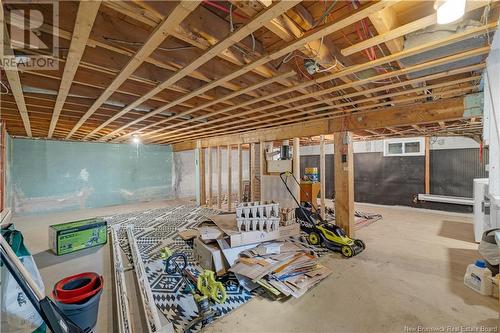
(410, 276)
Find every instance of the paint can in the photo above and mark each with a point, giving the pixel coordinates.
(312, 174)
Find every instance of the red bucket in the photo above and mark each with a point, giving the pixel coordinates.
(77, 288)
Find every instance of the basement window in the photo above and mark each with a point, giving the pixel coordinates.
(404, 147)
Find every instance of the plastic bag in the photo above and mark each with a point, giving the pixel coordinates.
(488, 247)
(17, 313)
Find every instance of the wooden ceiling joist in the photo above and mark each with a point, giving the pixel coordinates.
(316, 34)
(411, 69)
(403, 30)
(12, 73)
(395, 116)
(357, 68)
(182, 10)
(242, 32)
(87, 12)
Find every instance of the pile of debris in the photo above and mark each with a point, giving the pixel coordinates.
(260, 245)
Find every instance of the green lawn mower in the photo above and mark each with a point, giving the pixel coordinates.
(322, 232)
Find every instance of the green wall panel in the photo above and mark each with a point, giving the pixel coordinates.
(60, 175)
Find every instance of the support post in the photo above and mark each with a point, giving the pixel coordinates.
(219, 180)
(296, 166)
(200, 174)
(262, 164)
(240, 174)
(344, 182)
(252, 172)
(210, 192)
(229, 183)
(322, 174)
(427, 166)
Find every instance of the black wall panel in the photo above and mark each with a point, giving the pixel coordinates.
(398, 180)
(453, 171)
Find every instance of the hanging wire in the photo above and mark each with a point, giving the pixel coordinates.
(5, 89)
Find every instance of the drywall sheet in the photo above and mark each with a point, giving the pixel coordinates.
(52, 176)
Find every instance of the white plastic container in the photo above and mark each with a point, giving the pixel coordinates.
(478, 278)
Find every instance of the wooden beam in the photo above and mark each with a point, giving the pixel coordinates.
(296, 166)
(289, 47)
(355, 104)
(271, 12)
(219, 178)
(427, 165)
(229, 179)
(210, 192)
(203, 193)
(440, 110)
(150, 134)
(181, 11)
(252, 171)
(85, 17)
(344, 182)
(12, 73)
(405, 29)
(240, 174)
(353, 69)
(322, 173)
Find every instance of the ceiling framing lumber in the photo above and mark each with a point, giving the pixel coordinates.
(87, 13)
(289, 47)
(398, 32)
(212, 52)
(205, 106)
(395, 116)
(263, 123)
(12, 73)
(182, 10)
(406, 70)
(357, 68)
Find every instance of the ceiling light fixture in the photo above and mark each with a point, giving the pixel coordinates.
(449, 10)
(136, 139)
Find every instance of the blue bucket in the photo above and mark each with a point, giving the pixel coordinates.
(83, 314)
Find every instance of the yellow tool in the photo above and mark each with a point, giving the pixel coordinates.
(209, 287)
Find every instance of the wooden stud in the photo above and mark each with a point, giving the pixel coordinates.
(85, 17)
(252, 171)
(322, 173)
(229, 180)
(210, 192)
(427, 165)
(181, 11)
(240, 174)
(203, 193)
(296, 166)
(219, 178)
(344, 182)
(262, 166)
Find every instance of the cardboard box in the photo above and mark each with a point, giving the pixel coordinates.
(227, 223)
(209, 256)
(78, 235)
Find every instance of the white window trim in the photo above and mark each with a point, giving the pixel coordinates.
(402, 141)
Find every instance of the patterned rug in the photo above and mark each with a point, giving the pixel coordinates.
(157, 228)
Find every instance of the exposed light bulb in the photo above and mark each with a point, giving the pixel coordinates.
(136, 139)
(449, 10)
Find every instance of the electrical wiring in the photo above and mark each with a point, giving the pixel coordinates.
(168, 49)
(4, 86)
